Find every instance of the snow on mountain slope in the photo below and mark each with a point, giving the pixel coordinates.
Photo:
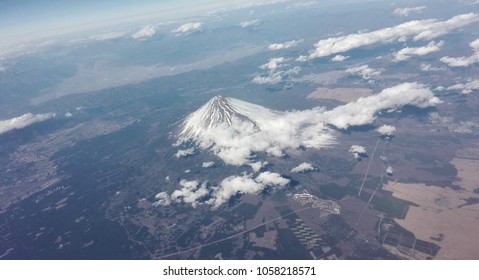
(224, 110)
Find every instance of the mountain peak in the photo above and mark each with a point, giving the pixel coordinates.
(223, 111)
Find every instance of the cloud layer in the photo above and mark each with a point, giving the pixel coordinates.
(416, 29)
(23, 121)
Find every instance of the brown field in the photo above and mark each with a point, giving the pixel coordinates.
(445, 211)
(340, 94)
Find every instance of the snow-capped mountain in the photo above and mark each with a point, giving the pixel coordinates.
(236, 131)
(228, 112)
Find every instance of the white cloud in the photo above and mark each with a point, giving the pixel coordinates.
(274, 75)
(386, 130)
(440, 88)
(339, 58)
(191, 192)
(272, 179)
(188, 28)
(185, 153)
(302, 58)
(144, 32)
(466, 88)
(254, 129)
(194, 193)
(407, 11)
(303, 167)
(271, 79)
(250, 23)
(364, 71)
(417, 29)
(303, 4)
(428, 67)
(208, 164)
(68, 115)
(23, 121)
(232, 186)
(253, 4)
(406, 53)
(293, 71)
(108, 36)
(389, 170)
(256, 166)
(162, 199)
(245, 184)
(364, 110)
(285, 45)
(273, 63)
(464, 61)
(358, 151)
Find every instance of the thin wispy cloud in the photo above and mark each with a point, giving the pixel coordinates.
(208, 164)
(407, 53)
(108, 36)
(23, 121)
(364, 71)
(250, 23)
(466, 88)
(274, 75)
(339, 58)
(285, 45)
(302, 4)
(185, 153)
(144, 33)
(409, 10)
(464, 61)
(425, 67)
